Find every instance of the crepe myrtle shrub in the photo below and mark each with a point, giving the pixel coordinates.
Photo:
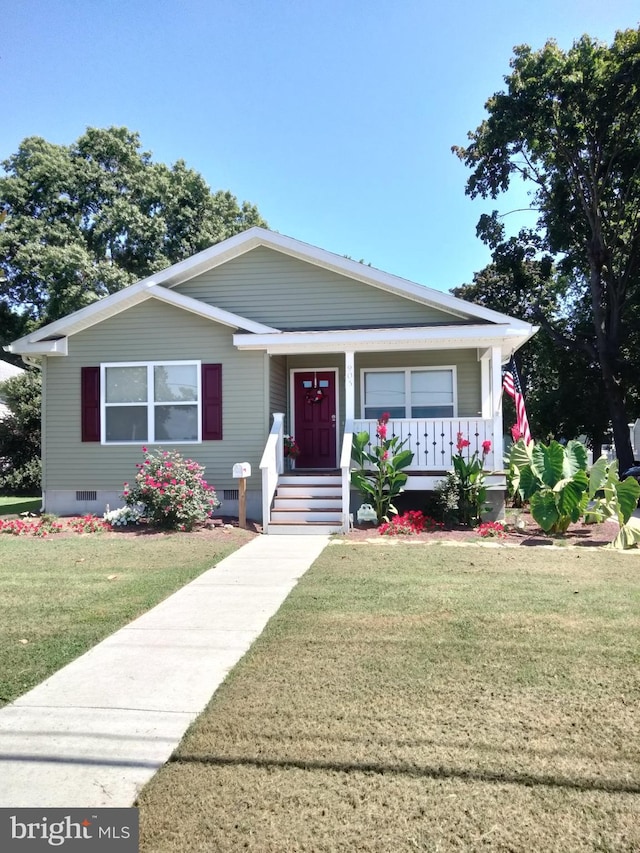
(172, 490)
(380, 478)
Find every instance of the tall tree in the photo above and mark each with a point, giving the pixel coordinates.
(563, 387)
(84, 220)
(568, 124)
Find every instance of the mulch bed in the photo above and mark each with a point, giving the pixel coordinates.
(527, 533)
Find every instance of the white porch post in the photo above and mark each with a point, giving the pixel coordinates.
(349, 387)
(496, 406)
(484, 356)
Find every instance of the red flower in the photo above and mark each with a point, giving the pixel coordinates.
(486, 447)
(382, 430)
(384, 418)
(461, 443)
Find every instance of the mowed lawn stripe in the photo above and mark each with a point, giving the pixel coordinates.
(59, 597)
(414, 698)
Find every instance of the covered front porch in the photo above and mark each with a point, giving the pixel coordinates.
(327, 498)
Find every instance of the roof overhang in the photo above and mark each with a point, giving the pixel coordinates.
(508, 338)
(52, 339)
(255, 237)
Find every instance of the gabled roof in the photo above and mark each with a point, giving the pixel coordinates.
(52, 338)
(254, 237)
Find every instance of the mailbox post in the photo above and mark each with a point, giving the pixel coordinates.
(242, 470)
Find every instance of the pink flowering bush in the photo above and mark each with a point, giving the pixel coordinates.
(172, 490)
(409, 523)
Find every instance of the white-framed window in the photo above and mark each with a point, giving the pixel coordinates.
(411, 392)
(151, 402)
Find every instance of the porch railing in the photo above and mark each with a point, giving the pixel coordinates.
(272, 464)
(433, 441)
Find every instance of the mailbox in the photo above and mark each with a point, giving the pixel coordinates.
(242, 469)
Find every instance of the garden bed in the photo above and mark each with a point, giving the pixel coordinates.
(520, 529)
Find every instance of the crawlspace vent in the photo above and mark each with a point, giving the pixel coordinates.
(230, 494)
(86, 496)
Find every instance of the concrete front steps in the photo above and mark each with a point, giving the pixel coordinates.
(307, 503)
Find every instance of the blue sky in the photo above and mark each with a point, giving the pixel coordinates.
(335, 118)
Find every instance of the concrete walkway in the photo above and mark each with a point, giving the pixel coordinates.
(95, 732)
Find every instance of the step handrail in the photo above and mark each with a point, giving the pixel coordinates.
(272, 465)
(345, 471)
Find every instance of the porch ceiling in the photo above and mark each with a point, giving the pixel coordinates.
(363, 340)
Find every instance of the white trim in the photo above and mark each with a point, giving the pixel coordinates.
(159, 285)
(254, 237)
(363, 340)
(150, 403)
(407, 388)
(292, 399)
(113, 305)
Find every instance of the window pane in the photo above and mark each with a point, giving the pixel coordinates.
(374, 412)
(432, 411)
(432, 388)
(126, 423)
(384, 392)
(176, 423)
(126, 384)
(175, 382)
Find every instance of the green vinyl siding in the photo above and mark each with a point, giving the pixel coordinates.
(465, 361)
(272, 288)
(153, 331)
(277, 384)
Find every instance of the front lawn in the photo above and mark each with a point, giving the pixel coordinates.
(59, 597)
(14, 506)
(423, 698)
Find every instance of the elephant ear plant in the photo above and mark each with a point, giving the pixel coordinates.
(380, 478)
(553, 478)
(615, 499)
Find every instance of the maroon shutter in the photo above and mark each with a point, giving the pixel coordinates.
(90, 403)
(211, 402)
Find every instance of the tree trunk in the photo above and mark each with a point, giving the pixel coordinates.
(607, 329)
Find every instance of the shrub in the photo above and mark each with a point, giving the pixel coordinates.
(409, 523)
(20, 469)
(124, 516)
(492, 529)
(172, 490)
(462, 493)
(87, 524)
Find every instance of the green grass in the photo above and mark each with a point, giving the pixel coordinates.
(64, 595)
(14, 506)
(411, 698)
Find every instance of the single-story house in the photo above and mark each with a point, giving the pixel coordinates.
(261, 336)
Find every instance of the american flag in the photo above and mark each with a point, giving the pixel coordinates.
(511, 384)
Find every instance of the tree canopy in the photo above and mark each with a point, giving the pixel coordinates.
(85, 220)
(568, 126)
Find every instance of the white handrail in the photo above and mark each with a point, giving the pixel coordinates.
(271, 465)
(345, 468)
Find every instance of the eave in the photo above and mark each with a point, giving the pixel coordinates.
(482, 336)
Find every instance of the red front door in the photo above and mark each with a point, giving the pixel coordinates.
(315, 418)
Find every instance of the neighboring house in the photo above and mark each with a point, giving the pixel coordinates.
(261, 335)
(7, 371)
